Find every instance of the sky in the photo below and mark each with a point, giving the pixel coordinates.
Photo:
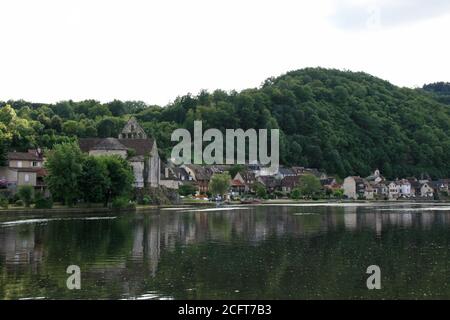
(154, 51)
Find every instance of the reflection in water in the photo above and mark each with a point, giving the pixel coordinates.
(248, 252)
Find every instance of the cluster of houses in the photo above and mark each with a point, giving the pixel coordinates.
(27, 168)
(243, 182)
(23, 168)
(377, 187)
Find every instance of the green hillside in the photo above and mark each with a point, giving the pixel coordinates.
(339, 121)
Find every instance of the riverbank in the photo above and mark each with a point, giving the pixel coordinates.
(87, 210)
(144, 208)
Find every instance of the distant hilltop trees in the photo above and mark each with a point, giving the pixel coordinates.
(341, 122)
(440, 89)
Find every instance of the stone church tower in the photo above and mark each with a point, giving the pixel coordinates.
(132, 130)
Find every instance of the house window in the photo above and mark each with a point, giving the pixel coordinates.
(19, 164)
(27, 178)
(35, 164)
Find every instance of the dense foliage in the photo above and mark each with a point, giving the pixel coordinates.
(73, 176)
(219, 183)
(342, 122)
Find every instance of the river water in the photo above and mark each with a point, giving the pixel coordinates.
(317, 251)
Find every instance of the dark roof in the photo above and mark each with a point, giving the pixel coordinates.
(179, 172)
(290, 181)
(109, 144)
(269, 181)
(247, 175)
(29, 156)
(201, 172)
(140, 146)
(171, 172)
(286, 171)
(327, 181)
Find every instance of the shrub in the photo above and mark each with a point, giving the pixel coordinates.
(122, 203)
(278, 194)
(296, 194)
(187, 190)
(146, 200)
(14, 198)
(43, 203)
(4, 203)
(19, 203)
(26, 194)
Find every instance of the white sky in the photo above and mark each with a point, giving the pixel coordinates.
(53, 50)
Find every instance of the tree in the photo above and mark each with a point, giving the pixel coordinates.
(64, 109)
(109, 127)
(120, 175)
(99, 110)
(220, 183)
(56, 123)
(64, 165)
(71, 127)
(236, 169)
(5, 140)
(260, 190)
(7, 114)
(26, 194)
(94, 181)
(338, 193)
(117, 108)
(296, 194)
(309, 185)
(187, 190)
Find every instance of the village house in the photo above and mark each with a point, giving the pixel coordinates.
(380, 190)
(354, 187)
(237, 187)
(285, 172)
(331, 184)
(181, 174)
(169, 177)
(269, 182)
(201, 175)
(134, 145)
(441, 186)
(369, 191)
(24, 168)
(247, 178)
(376, 177)
(393, 190)
(426, 190)
(289, 183)
(404, 188)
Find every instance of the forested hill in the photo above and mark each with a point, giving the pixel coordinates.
(339, 121)
(441, 91)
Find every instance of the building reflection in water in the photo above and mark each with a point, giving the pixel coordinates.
(151, 234)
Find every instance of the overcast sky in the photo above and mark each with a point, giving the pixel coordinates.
(53, 50)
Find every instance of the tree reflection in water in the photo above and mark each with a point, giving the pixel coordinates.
(260, 252)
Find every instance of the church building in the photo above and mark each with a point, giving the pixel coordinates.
(134, 145)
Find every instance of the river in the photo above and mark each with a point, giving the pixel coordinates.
(298, 251)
